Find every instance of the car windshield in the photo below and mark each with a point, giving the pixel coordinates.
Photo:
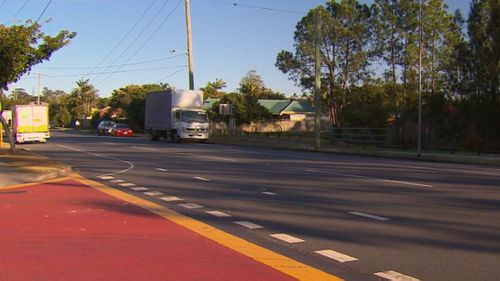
(194, 116)
(121, 126)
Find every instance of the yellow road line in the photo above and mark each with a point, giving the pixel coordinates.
(34, 183)
(279, 262)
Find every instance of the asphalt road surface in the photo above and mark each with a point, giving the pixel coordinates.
(359, 218)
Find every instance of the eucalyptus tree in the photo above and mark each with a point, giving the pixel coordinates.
(346, 51)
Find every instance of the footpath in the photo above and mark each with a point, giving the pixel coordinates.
(56, 225)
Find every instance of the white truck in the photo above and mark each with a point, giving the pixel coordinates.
(31, 123)
(176, 115)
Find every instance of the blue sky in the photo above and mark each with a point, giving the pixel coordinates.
(228, 41)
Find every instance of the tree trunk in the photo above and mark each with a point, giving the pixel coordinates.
(9, 133)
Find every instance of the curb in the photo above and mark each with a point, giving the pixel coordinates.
(63, 172)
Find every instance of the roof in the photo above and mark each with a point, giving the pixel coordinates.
(280, 107)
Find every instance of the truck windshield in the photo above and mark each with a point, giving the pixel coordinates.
(194, 116)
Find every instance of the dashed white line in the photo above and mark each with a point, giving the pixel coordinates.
(201, 178)
(161, 169)
(117, 181)
(191, 206)
(336, 256)
(127, 184)
(269, 193)
(106, 177)
(249, 225)
(395, 276)
(408, 183)
(218, 214)
(287, 238)
(139, 188)
(365, 215)
(171, 198)
(154, 193)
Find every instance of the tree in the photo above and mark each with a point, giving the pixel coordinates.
(346, 50)
(83, 99)
(252, 85)
(22, 47)
(213, 89)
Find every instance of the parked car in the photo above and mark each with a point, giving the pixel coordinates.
(104, 127)
(121, 130)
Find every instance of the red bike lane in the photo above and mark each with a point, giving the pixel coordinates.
(68, 230)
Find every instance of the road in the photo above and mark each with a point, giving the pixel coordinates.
(356, 217)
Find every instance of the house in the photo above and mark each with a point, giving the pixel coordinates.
(287, 109)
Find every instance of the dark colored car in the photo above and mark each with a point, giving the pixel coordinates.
(121, 130)
(105, 127)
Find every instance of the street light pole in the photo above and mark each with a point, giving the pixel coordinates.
(421, 32)
(189, 44)
(317, 84)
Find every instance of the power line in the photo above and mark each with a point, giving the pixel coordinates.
(110, 66)
(170, 75)
(44, 9)
(149, 38)
(235, 4)
(140, 34)
(121, 71)
(18, 11)
(3, 3)
(125, 36)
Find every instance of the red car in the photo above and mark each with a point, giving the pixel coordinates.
(121, 130)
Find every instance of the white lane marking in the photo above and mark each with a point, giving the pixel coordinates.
(145, 148)
(219, 158)
(249, 225)
(130, 164)
(287, 238)
(161, 169)
(171, 198)
(408, 183)
(106, 177)
(153, 193)
(336, 256)
(218, 214)
(201, 178)
(365, 215)
(191, 206)
(395, 276)
(269, 193)
(369, 178)
(117, 181)
(139, 188)
(127, 184)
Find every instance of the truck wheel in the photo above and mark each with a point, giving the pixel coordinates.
(153, 136)
(173, 137)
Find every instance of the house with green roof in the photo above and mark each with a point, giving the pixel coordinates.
(287, 109)
(280, 109)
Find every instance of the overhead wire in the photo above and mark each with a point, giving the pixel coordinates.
(3, 3)
(149, 38)
(43, 12)
(236, 4)
(125, 36)
(110, 66)
(18, 11)
(170, 75)
(139, 35)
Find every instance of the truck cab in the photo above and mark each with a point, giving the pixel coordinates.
(191, 124)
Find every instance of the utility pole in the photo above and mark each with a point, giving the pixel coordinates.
(189, 44)
(317, 84)
(39, 77)
(421, 35)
